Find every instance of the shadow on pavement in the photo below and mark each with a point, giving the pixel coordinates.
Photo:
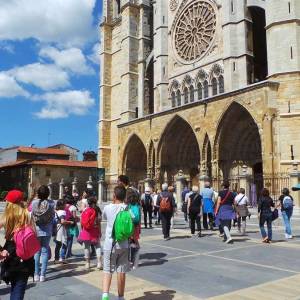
(180, 237)
(157, 295)
(155, 259)
(6, 290)
(241, 240)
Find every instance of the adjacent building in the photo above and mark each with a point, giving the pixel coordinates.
(27, 168)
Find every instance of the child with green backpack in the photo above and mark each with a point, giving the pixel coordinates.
(119, 229)
(134, 206)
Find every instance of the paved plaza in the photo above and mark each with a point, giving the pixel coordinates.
(190, 268)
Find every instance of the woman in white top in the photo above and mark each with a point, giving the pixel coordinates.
(241, 203)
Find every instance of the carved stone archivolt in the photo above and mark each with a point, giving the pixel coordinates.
(173, 4)
(194, 30)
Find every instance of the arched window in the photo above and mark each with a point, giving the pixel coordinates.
(205, 85)
(214, 84)
(178, 96)
(221, 84)
(200, 91)
(192, 93)
(186, 95)
(173, 98)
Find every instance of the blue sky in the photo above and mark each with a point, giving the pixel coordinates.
(49, 72)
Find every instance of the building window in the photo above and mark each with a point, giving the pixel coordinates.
(200, 91)
(221, 84)
(192, 93)
(173, 98)
(205, 84)
(186, 95)
(178, 96)
(72, 174)
(214, 84)
(48, 173)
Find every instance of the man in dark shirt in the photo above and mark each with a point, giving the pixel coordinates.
(166, 203)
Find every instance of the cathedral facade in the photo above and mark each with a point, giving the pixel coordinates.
(195, 88)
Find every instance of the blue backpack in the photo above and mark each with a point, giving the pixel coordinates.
(287, 202)
(135, 212)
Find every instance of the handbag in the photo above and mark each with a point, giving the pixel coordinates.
(275, 214)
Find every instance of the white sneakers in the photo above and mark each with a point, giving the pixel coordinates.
(38, 278)
(288, 236)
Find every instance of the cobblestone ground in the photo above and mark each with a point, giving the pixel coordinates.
(190, 268)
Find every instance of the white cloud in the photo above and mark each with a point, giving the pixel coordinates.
(70, 59)
(95, 55)
(64, 104)
(67, 22)
(45, 77)
(9, 88)
(7, 47)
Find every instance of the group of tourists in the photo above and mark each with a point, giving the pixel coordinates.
(30, 225)
(218, 210)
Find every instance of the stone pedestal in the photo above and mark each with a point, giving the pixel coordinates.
(100, 191)
(89, 183)
(50, 188)
(74, 185)
(147, 183)
(61, 188)
(179, 187)
(295, 179)
(202, 180)
(244, 181)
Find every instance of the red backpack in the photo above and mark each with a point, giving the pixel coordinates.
(88, 218)
(27, 243)
(165, 204)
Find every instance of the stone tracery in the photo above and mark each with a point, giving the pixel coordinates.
(195, 30)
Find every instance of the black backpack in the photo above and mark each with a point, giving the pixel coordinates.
(148, 200)
(195, 206)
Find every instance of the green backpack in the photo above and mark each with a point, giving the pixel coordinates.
(123, 226)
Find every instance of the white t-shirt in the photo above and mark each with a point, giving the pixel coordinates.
(61, 234)
(154, 199)
(239, 200)
(109, 213)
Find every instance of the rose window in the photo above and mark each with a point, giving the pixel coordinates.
(195, 30)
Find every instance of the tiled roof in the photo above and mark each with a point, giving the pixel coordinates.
(53, 162)
(42, 151)
(66, 163)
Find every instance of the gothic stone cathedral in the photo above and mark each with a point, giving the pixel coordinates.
(199, 87)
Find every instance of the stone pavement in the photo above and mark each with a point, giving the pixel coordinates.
(190, 268)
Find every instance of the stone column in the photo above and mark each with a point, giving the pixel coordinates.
(147, 183)
(244, 180)
(295, 180)
(50, 188)
(100, 191)
(61, 188)
(74, 184)
(89, 183)
(179, 187)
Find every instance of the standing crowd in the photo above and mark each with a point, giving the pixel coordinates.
(30, 225)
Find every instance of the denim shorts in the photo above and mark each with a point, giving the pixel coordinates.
(116, 261)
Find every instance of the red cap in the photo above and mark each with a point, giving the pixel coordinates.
(14, 196)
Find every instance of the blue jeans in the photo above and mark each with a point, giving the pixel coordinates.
(43, 253)
(69, 246)
(286, 216)
(18, 288)
(266, 218)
